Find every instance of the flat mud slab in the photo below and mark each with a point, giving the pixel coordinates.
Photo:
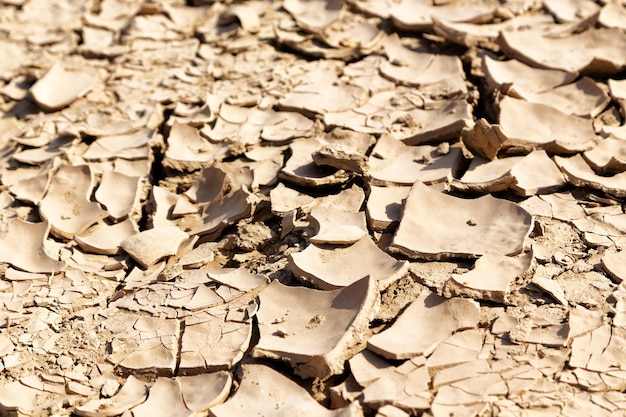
(312, 207)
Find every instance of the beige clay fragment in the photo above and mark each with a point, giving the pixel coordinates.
(392, 163)
(518, 79)
(284, 200)
(405, 387)
(314, 330)
(210, 185)
(462, 347)
(615, 264)
(19, 399)
(443, 121)
(580, 174)
(491, 277)
(484, 176)
(377, 114)
(213, 341)
(187, 150)
(106, 239)
(23, 247)
(484, 139)
(536, 173)
(384, 206)
(61, 86)
(437, 75)
(320, 92)
(337, 226)
(224, 211)
(582, 321)
(349, 199)
(119, 193)
(301, 167)
(426, 323)
(612, 15)
(350, 37)
(534, 126)
(66, 204)
(201, 392)
(583, 98)
(330, 267)
(602, 54)
(31, 189)
(569, 11)
(246, 125)
(314, 15)
(165, 394)
(435, 225)
(417, 15)
(485, 35)
(132, 393)
(152, 245)
(617, 89)
(607, 157)
(265, 391)
(128, 145)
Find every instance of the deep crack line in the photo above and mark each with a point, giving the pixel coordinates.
(179, 353)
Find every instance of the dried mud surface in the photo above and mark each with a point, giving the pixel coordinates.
(343, 208)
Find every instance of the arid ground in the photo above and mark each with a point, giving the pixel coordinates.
(312, 208)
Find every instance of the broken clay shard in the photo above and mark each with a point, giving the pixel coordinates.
(427, 322)
(579, 173)
(133, 393)
(435, 225)
(602, 53)
(330, 267)
(151, 245)
(60, 87)
(534, 126)
(314, 330)
(337, 227)
(264, 391)
(66, 204)
(491, 277)
(22, 246)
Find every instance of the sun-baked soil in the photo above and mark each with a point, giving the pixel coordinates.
(312, 207)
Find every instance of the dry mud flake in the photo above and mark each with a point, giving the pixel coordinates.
(485, 35)
(394, 163)
(602, 54)
(418, 15)
(608, 157)
(23, 247)
(331, 267)
(518, 79)
(337, 226)
(491, 277)
(614, 263)
(266, 392)
(303, 169)
(579, 173)
(539, 126)
(315, 330)
(405, 386)
(61, 86)
(435, 225)
(151, 245)
(66, 204)
(436, 75)
(424, 325)
(384, 206)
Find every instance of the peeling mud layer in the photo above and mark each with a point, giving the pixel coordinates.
(312, 208)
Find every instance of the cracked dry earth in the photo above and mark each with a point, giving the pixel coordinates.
(312, 208)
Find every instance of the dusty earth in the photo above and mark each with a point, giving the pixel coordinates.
(312, 208)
